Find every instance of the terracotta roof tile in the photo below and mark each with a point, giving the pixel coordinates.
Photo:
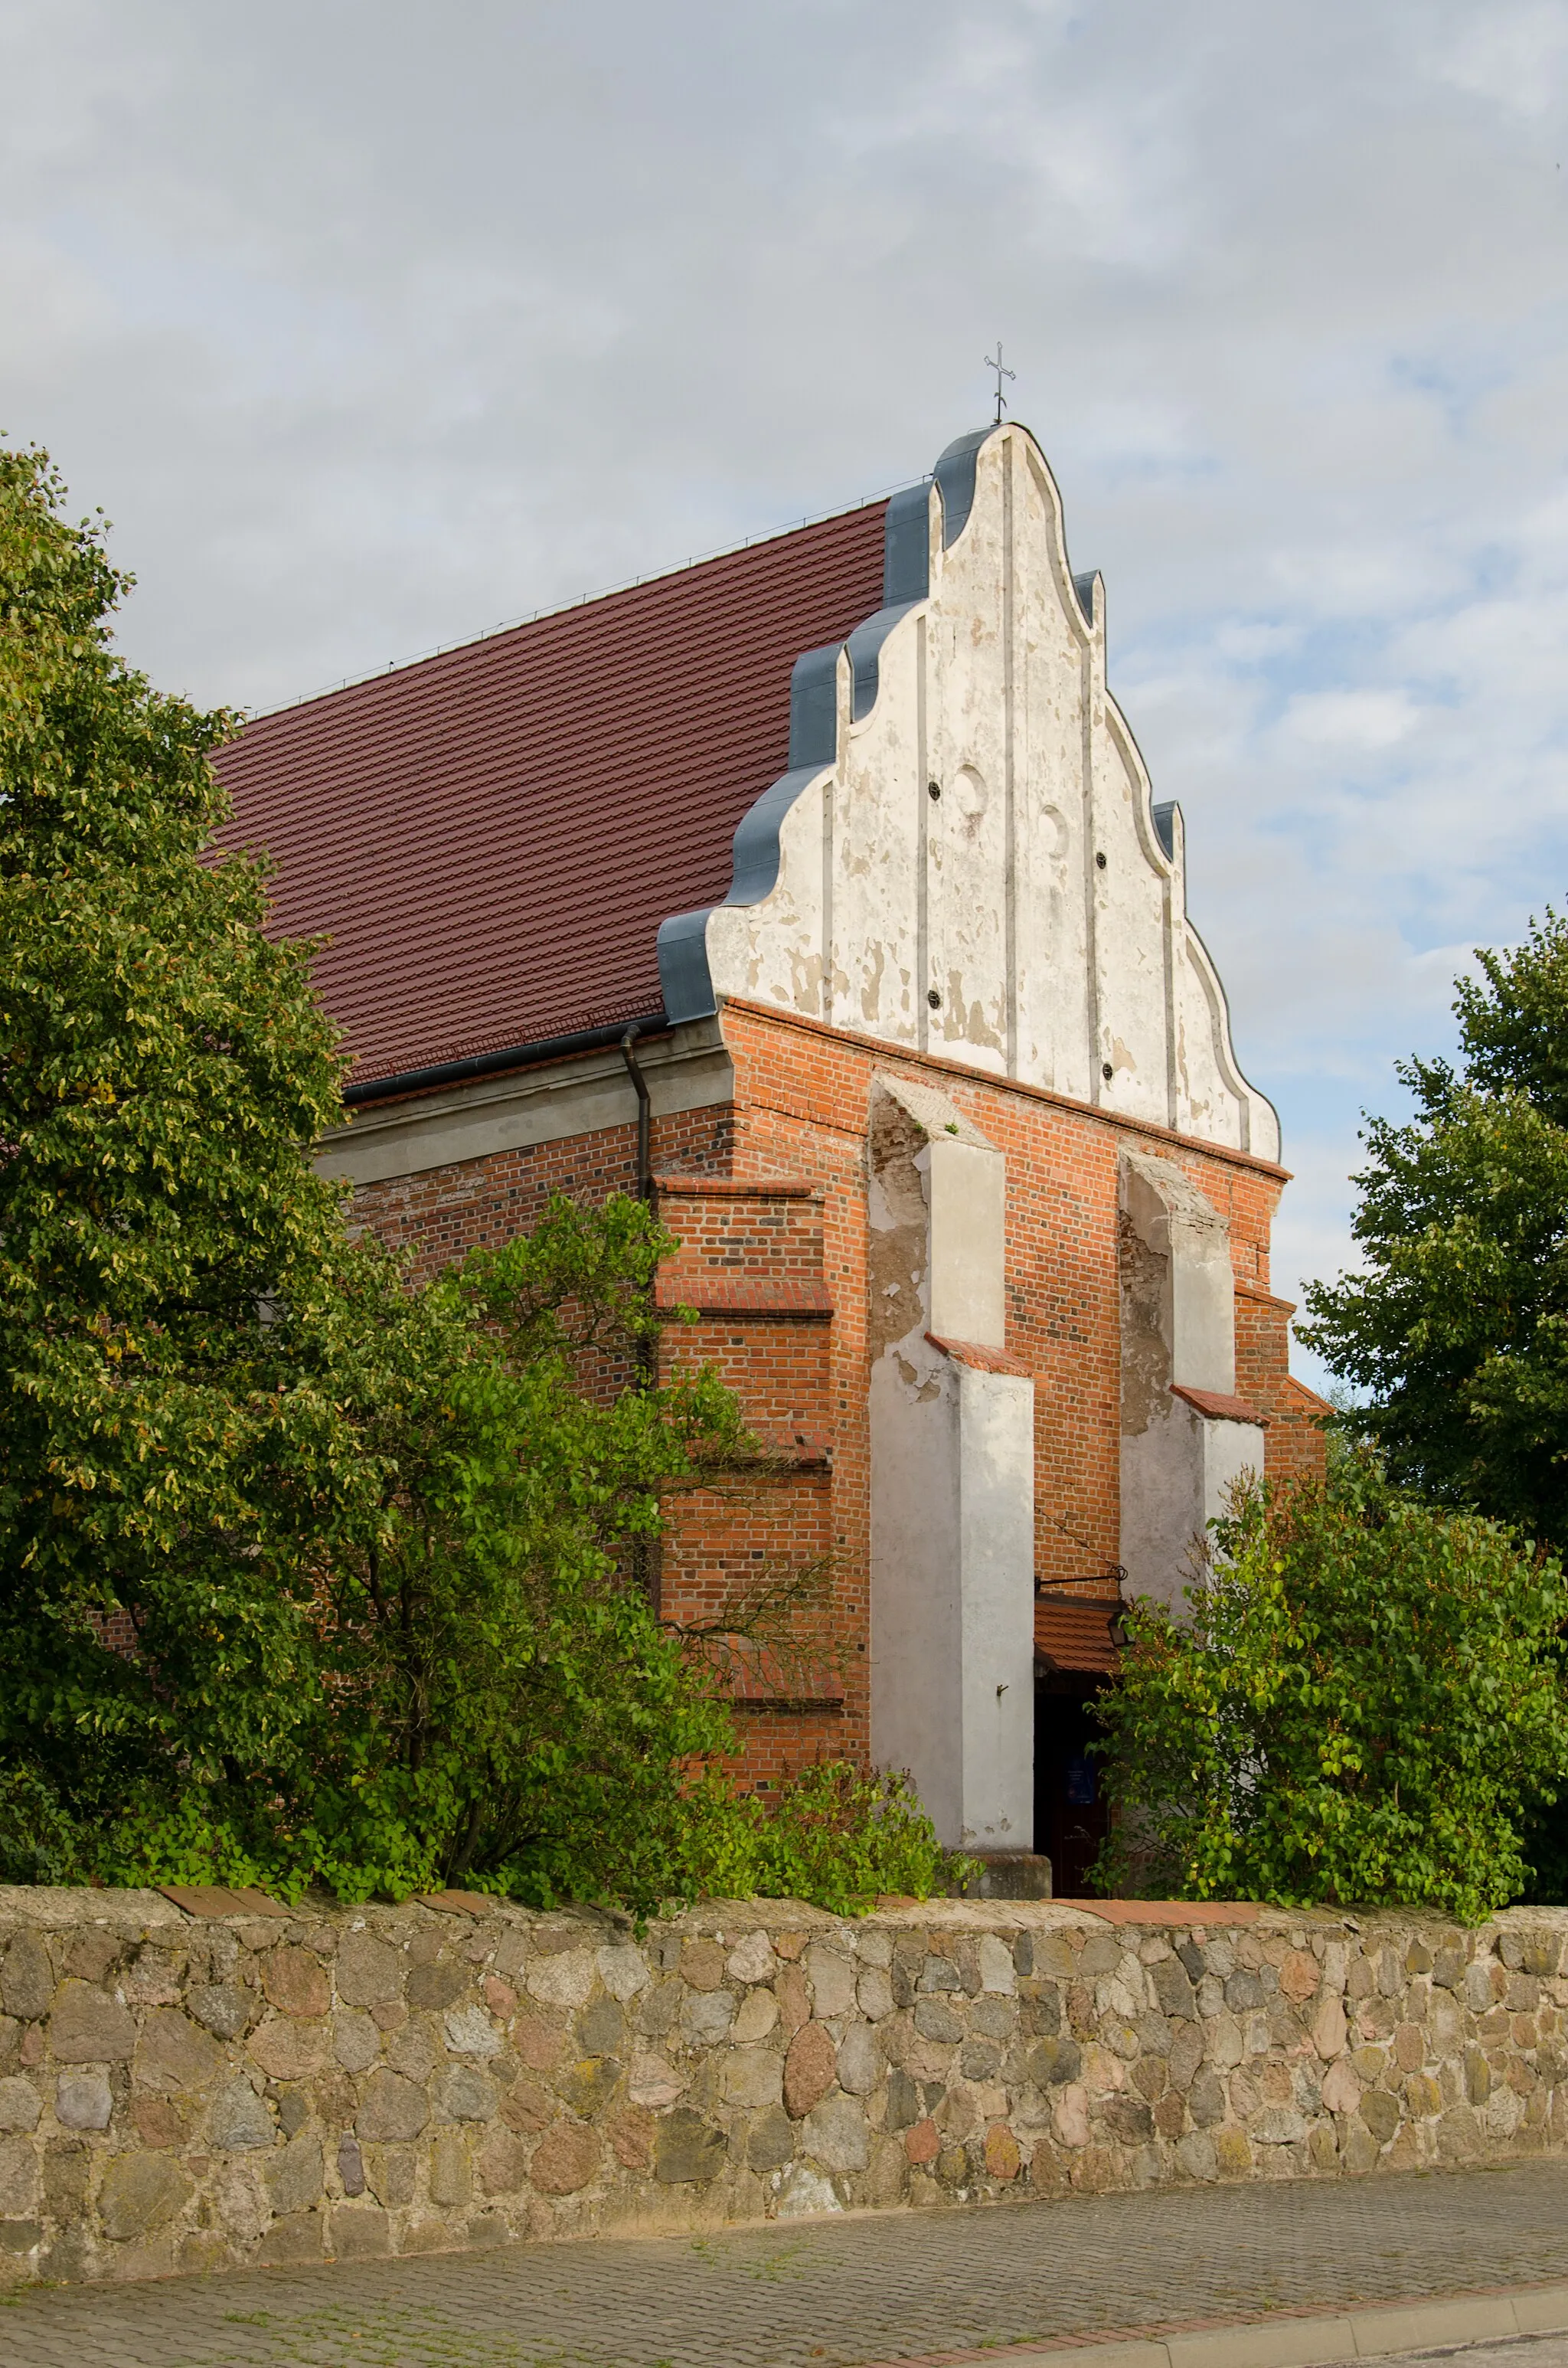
(492, 837)
(1074, 1632)
(1218, 1405)
(982, 1359)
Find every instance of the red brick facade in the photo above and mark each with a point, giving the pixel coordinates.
(767, 1198)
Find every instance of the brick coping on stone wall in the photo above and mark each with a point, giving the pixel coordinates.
(189, 2091)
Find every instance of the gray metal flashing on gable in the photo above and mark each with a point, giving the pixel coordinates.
(755, 857)
(1084, 587)
(684, 974)
(813, 713)
(865, 647)
(955, 482)
(906, 546)
(814, 718)
(683, 939)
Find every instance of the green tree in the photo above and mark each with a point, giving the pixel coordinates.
(1364, 1690)
(1457, 1330)
(164, 1247)
(500, 1702)
(306, 1572)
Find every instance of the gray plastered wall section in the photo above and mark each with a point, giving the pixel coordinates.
(687, 1070)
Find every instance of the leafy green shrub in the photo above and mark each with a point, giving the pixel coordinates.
(165, 1249)
(832, 1836)
(1362, 1694)
(306, 1575)
(38, 1842)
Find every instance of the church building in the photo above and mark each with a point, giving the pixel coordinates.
(819, 890)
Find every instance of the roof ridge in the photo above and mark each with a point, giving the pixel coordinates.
(582, 601)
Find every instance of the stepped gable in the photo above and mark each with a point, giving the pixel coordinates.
(491, 837)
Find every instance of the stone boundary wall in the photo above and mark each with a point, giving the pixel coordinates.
(189, 2091)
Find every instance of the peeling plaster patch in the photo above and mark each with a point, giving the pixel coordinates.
(1145, 1350)
(970, 1023)
(871, 993)
(805, 993)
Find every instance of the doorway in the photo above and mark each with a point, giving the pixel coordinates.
(1076, 1655)
(1070, 1817)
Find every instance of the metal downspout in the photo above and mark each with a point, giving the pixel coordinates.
(644, 1111)
(645, 1551)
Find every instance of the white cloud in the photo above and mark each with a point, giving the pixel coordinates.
(372, 322)
(1351, 718)
(1515, 55)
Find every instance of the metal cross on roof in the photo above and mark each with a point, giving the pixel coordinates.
(996, 363)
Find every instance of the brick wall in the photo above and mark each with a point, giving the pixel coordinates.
(802, 1102)
(440, 1215)
(768, 1197)
(1294, 1447)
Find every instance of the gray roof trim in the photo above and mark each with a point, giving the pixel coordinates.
(865, 647)
(684, 973)
(955, 482)
(906, 561)
(814, 722)
(1084, 588)
(510, 1056)
(683, 939)
(813, 710)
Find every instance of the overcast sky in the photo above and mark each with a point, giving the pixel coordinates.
(373, 323)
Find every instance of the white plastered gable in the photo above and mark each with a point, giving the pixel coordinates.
(983, 834)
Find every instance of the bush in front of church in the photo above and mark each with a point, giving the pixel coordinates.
(830, 1834)
(166, 1251)
(308, 1573)
(501, 1703)
(1362, 1692)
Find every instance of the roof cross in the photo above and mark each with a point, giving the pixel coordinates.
(994, 362)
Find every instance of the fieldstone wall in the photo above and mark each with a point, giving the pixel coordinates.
(184, 2092)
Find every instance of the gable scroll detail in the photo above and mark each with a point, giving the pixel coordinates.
(963, 857)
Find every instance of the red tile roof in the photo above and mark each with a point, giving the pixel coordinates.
(491, 837)
(1073, 1633)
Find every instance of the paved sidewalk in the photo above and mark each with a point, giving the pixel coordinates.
(841, 2293)
(1528, 2352)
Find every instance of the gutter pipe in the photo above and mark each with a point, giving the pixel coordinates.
(645, 1551)
(647, 1345)
(513, 1056)
(645, 1111)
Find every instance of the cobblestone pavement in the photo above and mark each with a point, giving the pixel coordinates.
(899, 2286)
